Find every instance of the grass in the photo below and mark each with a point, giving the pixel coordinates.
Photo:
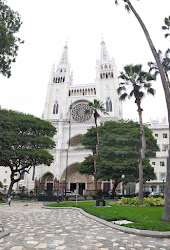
(144, 218)
(2, 201)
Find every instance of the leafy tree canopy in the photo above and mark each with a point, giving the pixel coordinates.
(1, 185)
(166, 26)
(119, 150)
(24, 140)
(10, 23)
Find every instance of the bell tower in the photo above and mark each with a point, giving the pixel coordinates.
(107, 84)
(57, 90)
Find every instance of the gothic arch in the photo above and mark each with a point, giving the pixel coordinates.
(108, 105)
(75, 140)
(70, 170)
(55, 108)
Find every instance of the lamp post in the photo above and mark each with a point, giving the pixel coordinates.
(123, 176)
(163, 187)
(36, 190)
(68, 149)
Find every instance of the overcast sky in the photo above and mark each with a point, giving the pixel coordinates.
(47, 25)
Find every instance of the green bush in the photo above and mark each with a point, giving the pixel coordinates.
(150, 201)
(23, 196)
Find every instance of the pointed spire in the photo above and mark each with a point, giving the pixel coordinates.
(64, 57)
(104, 55)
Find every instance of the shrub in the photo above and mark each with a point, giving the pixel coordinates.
(150, 201)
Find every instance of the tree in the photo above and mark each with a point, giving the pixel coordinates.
(165, 63)
(24, 141)
(119, 151)
(134, 81)
(129, 6)
(10, 23)
(1, 185)
(166, 26)
(96, 107)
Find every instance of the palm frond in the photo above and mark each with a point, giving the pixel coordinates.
(127, 8)
(141, 94)
(120, 89)
(123, 96)
(166, 35)
(151, 91)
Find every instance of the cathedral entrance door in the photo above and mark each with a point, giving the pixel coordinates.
(49, 189)
(81, 188)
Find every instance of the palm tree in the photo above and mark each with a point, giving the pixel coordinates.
(134, 79)
(165, 63)
(129, 6)
(96, 107)
(166, 26)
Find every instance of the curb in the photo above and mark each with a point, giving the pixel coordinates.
(147, 233)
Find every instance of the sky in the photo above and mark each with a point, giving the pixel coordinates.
(47, 25)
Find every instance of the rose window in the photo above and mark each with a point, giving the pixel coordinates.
(80, 113)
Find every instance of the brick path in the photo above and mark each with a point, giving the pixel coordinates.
(32, 227)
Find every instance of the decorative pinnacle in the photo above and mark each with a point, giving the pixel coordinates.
(104, 55)
(64, 57)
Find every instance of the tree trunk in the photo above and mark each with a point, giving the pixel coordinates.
(142, 133)
(166, 213)
(114, 187)
(95, 179)
(10, 188)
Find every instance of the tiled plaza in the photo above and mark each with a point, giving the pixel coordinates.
(32, 227)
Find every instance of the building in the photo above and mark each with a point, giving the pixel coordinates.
(64, 108)
(161, 134)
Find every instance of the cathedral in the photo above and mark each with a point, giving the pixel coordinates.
(65, 108)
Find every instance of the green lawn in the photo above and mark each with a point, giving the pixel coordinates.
(145, 218)
(2, 201)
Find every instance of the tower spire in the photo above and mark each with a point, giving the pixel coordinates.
(104, 57)
(64, 57)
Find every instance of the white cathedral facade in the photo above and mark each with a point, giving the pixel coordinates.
(65, 108)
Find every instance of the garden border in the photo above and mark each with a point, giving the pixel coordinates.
(147, 233)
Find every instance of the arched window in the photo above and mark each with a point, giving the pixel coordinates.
(55, 108)
(108, 105)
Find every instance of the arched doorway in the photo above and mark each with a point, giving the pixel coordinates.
(85, 182)
(47, 183)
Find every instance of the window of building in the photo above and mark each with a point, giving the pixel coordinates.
(108, 105)
(4, 180)
(165, 147)
(153, 163)
(5, 172)
(162, 176)
(55, 108)
(162, 163)
(165, 135)
(22, 176)
(156, 135)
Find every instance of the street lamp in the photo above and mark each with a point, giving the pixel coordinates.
(123, 176)
(68, 149)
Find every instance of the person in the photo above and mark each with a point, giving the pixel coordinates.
(9, 200)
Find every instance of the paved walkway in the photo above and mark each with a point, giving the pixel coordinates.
(32, 227)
